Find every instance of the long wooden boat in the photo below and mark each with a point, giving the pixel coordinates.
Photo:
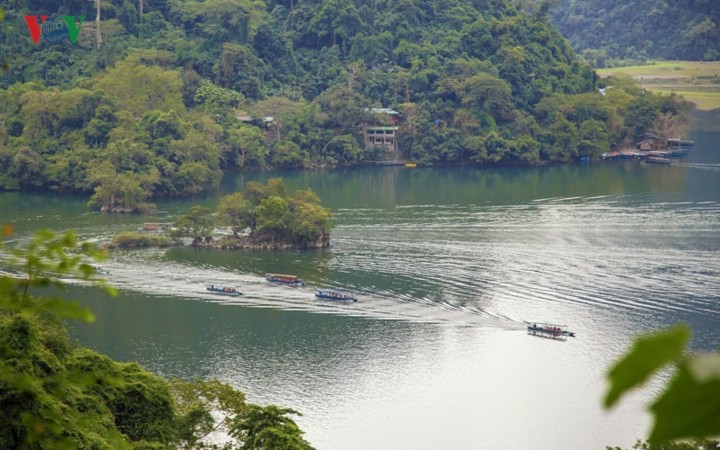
(657, 160)
(680, 143)
(549, 330)
(223, 290)
(333, 294)
(282, 278)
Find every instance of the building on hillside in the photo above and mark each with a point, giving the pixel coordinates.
(242, 116)
(382, 136)
(391, 114)
(649, 142)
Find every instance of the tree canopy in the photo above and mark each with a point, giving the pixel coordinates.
(180, 91)
(602, 31)
(270, 215)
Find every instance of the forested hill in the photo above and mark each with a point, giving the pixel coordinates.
(165, 94)
(667, 29)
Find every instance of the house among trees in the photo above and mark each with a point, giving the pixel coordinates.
(242, 116)
(649, 142)
(382, 136)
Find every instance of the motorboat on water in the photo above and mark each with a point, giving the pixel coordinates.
(282, 278)
(333, 294)
(223, 290)
(549, 330)
(657, 160)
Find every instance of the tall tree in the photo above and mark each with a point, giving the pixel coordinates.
(196, 223)
(98, 34)
(236, 212)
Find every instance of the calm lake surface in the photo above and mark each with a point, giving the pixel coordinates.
(447, 263)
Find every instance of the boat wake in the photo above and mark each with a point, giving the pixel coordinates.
(554, 259)
(709, 167)
(190, 282)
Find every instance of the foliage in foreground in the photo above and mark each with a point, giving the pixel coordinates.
(55, 395)
(689, 406)
(695, 444)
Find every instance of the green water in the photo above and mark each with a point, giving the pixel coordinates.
(447, 263)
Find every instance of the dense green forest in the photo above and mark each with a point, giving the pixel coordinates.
(160, 96)
(604, 30)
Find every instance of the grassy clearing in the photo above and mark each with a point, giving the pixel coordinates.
(703, 100)
(699, 82)
(669, 69)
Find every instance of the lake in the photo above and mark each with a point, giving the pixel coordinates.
(447, 264)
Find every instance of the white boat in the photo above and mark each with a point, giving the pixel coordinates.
(333, 294)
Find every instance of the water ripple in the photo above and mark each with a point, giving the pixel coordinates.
(456, 264)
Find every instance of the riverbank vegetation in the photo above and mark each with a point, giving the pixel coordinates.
(176, 92)
(55, 394)
(132, 239)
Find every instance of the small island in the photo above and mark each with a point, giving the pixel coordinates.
(263, 216)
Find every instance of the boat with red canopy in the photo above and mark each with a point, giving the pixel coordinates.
(282, 278)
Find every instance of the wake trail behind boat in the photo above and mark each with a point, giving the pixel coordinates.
(257, 292)
(701, 166)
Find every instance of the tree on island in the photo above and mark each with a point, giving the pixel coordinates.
(274, 217)
(236, 212)
(196, 223)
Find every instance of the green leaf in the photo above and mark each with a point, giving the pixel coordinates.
(648, 355)
(67, 309)
(690, 407)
